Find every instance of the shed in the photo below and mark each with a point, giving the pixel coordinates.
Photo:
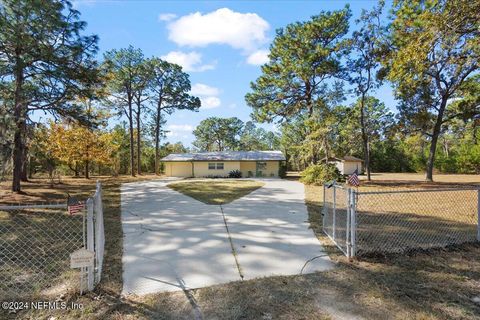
(347, 164)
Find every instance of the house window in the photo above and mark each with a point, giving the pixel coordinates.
(215, 166)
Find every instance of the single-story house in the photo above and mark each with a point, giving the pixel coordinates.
(347, 164)
(219, 164)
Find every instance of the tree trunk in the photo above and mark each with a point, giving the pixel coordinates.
(157, 135)
(19, 117)
(76, 170)
(433, 144)
(130, 124)
(87, 169)
(31, 169)
(366, 149)
(25, 162)
(139, 155)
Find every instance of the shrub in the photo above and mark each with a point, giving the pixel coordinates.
(215, 176)
(235, 174)
(282, 169)
(320, 173)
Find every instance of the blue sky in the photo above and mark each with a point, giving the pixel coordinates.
(221, 44)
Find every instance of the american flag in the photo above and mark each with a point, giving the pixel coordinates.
(353, 179)
(75, 205)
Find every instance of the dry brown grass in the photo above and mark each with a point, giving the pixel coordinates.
(106, 295)
(396, 222)
(417, 180)
(217, 192)
(437, 284)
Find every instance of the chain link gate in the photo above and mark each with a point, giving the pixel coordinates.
(339, 222)
(35, 246)
(397, 221)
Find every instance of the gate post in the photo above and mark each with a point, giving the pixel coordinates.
(353, 223)
(334, 205)
(348, 194)
(478, 214)
(324, 208)
(90, 243)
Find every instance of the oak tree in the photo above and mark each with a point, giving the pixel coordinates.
(435, 49)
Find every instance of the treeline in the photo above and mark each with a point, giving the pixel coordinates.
(48, 66)
(220, 134)
(70, 149)
(428, 51)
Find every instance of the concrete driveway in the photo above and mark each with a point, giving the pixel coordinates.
(173, 242)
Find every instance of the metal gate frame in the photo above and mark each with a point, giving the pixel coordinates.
(351, 221)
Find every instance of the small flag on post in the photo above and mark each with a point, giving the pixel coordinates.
(74, 205)
(353, 179)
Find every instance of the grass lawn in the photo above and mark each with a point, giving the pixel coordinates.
(216, 191)
(404, 219)
(106, 295)
(438, 284)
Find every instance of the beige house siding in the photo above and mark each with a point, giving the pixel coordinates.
(184, 169)
(201, 168)
(246, 166)
(178, 169)
(350, 166)
(251, 166)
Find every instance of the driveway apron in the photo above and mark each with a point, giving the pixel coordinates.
(271, 233)
(174, 242)
(171, 241)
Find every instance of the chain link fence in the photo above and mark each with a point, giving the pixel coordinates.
(336, 215)
(35, 246)
(397, 221)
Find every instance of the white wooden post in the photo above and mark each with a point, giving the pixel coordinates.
(353, 223)
(90, 243)
(334, 205)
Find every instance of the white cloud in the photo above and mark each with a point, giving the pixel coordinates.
(177, 130)
(79, 3)
(258, 57)
(245, 31)
(190, 61)
(204, 90)
(207, 94)
(166, 16)
(180, 127)
(210, 102)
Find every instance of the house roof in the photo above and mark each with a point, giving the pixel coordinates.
(351, 158)
(227, 156)
(346, 158)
